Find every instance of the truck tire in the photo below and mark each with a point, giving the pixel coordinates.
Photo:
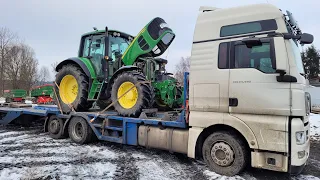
(73, 88)
(138, 98)
(55, 127)
(79, 130)
(225, 153)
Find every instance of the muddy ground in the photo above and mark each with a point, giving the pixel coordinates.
(28, 153)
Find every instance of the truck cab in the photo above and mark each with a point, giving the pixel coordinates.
(247, 79)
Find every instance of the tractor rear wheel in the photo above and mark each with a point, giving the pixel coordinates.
(73, 88)
(138, 98)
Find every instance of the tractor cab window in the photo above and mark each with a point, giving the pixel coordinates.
(118, 46)
(93, 48)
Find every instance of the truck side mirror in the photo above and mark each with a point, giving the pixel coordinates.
(306, 38)
(252, 41)
(285, 78)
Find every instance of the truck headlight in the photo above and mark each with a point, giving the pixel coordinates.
(300, 137)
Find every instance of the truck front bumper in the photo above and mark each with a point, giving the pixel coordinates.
(295, 170)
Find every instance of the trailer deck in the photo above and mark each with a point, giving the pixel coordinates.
(107, 126)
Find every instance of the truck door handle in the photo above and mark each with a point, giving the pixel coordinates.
(233, 102)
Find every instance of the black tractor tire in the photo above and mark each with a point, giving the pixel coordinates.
(55, 127)
(240, 153)
(145, 93)
(80, 103)
(79, 131)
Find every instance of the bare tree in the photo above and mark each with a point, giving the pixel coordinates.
(12, 72)
(181, 67)
(43, 75)
(7, 38)
(28, 72)
(53, 66)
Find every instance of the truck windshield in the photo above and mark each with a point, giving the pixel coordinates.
(297, 56)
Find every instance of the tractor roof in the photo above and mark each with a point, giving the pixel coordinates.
(102, 31)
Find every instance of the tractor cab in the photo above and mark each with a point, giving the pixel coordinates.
(93, 47)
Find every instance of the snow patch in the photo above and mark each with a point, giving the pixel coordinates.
(139, 156)
(85, 151)
(150, 170)
(17, 138)
(212, 175)
(90, 171)
(305, 177)
(315, 126)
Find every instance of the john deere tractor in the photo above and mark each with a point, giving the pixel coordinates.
(113, 66)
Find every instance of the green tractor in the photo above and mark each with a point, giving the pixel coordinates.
(113, 66)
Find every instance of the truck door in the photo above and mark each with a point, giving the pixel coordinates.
(253, 85)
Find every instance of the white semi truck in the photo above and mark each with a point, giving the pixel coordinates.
(245, 102)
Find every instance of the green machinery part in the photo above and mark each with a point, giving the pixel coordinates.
(44, 90)
(168, 94)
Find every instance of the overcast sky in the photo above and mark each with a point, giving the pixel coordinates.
(53, 28)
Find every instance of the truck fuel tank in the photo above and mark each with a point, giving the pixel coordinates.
(174, 140)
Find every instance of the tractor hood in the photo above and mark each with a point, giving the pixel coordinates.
(153, 40)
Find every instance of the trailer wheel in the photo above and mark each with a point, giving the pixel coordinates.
(79, 130)
(225, 153)
(55, 127)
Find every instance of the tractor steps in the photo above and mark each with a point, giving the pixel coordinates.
(95, 91)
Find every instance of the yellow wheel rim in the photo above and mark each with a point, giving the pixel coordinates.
(68, 89)
(130, 99)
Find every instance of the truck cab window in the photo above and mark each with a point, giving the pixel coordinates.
(258, 57)
(223, 59)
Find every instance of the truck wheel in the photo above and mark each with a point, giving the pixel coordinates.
(73, 85)
(79, 130)
(55, 127)
(138, 98)
(225, 153)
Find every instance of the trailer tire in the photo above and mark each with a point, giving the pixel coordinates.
(55, 127)
(79, 130)
(225, 153)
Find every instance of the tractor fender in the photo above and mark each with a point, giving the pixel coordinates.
(119, 71)
(83, 63)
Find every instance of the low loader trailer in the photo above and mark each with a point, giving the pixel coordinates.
(244, 101)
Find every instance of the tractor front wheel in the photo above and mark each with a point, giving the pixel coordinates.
(73, 88)
(131, 93)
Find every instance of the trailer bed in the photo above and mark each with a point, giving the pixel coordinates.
(107, 126)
